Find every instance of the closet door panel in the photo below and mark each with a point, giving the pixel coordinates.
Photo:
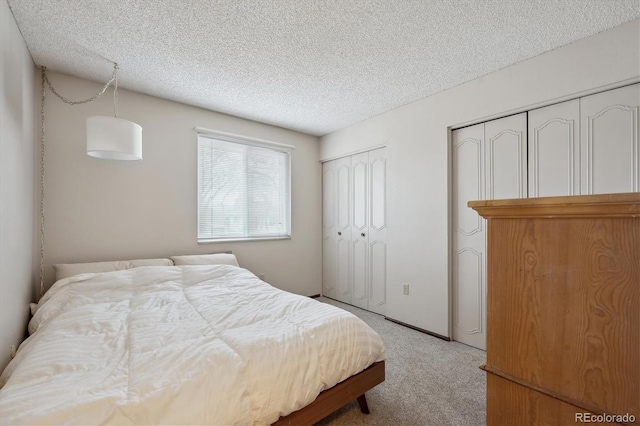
(469, 281)
(610, 134)
(343, 229)
(360, 294)
(360, 219)
(360, 166)
(378, 296)
(506, 157)
(468, 185)
(554, 150)
(329, 232)
(377, 237)
(354, 230)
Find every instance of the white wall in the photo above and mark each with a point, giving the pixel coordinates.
(108, 210)
(17, 271)
(418, 156)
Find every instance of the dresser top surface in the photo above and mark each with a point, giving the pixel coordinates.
(601, 205)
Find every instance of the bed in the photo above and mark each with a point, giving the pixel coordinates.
(188, 344)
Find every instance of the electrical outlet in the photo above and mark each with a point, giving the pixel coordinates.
(13, 351)
(405, 288)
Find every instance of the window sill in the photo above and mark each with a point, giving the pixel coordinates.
(236, 240)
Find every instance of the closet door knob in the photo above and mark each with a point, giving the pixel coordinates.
(362, 234)
(339, 233)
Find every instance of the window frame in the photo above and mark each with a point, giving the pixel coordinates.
(248, 141)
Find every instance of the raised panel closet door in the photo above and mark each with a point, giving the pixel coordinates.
(343, 229)
(469, 234)
(609, 141)
(377, 230)
(329, 233)
(359, 229)
(506, 157)
(554, 150)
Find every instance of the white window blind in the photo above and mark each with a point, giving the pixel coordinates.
(243, 190)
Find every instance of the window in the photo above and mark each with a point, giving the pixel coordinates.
(243, 189)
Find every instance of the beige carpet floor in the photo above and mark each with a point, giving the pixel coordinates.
(428, 381)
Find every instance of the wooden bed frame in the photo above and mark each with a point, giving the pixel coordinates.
(337, 397)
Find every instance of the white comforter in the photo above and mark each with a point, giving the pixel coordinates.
(184, 344)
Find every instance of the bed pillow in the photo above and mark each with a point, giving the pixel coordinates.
(65, 270)
(136, 263)
(206, 259)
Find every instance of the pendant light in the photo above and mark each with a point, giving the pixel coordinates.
(112, 138)
(109, 138)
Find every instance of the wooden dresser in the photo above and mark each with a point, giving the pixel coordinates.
(563, 309)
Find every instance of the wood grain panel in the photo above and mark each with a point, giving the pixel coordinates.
(509, 404)
(573, 317)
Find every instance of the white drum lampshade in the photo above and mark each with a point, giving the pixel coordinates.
(113, 138)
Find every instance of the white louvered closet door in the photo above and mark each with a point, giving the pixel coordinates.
(554, 150)
(610, 136)
(329, 230)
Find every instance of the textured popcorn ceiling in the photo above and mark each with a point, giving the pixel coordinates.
(314, 66)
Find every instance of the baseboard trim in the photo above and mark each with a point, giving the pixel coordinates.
(422, 330)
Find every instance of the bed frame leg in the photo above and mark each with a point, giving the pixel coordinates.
(362, 401)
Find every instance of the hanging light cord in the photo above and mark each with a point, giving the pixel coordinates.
(45, 83)
(42, 96)
(114, 78)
